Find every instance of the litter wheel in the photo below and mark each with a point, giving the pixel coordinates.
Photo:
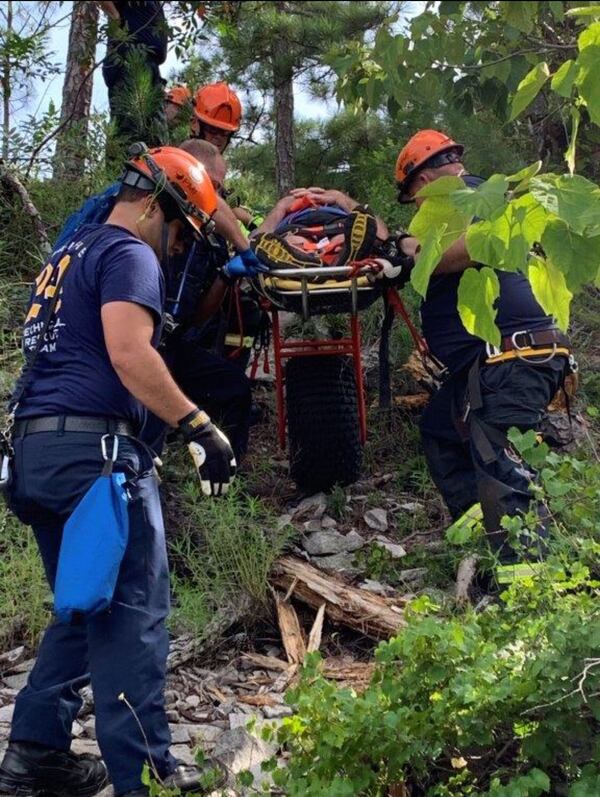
(323, 424)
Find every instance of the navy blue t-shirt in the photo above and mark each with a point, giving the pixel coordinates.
(72, 373)
(443, 330)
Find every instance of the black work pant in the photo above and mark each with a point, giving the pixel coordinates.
(514, 393)
(215, 384)
(123, 650)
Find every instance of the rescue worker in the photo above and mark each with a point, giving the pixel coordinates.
(217, 116)
(138, 37)
(200, 279)
(177, 99)
(487, 391)
(93, 376)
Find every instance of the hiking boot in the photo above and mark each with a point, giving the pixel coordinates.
(28, 768)
(186, 778)
(276, 253)
(360, 234)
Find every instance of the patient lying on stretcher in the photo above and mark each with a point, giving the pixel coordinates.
(318, 228)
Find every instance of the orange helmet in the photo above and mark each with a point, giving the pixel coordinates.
(178, 95)
(218, 106)
(420, 149)
(181, 183)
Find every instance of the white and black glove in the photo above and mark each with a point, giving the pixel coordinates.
(211, 451)
(395, 264)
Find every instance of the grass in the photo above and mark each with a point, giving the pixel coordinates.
(222, 549)
(24, 593)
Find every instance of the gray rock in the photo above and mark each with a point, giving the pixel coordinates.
(193, 701)
(83, 745)
(77, 730)
(238, 750)
(376, 586)
(328, 522)
(179, 734)
(11, 657)
(183, 753)
(238, 719)
(277, 712)
(376, 519)
(87, 696)
(283, 521)
(89, 726)
(4, 730)
(332, 542)
(396, 551)
(173, 716)
(23, 666)
(17, 681)
(107, 792)
(6, 713)
(311, 526)
(339, 562)
(202, 735)
(414, 576)
(313, 506)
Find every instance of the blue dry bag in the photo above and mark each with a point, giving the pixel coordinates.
(93, 543)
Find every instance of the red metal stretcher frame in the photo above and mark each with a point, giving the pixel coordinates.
(286, 349)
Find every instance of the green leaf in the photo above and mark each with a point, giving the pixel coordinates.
(520, 15)
(550, 289)
(529, 88)
(437, 225)
(584, 11)
(572, 198)
(506, 241)
(429, 256)
(557, 10)
(485, 200)
(570, 153)
(588, 78)
(564, 78)
(477, 292)
(577, 256)
(523, 177)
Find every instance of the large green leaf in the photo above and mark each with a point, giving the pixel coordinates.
(550, 289)
(572, 198)
(529, 88)
(588, 78)
(505, 242)
(523, 177)
(477, 293)
(521, 15)
(571, 149)
(437, 225)
(564, 78)
(430, 255)
(484, 201)
(577, 256)
(584, 11)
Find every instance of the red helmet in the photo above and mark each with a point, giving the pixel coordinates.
(413, 157)
(180, 181)
(218, 106)
(178, 95)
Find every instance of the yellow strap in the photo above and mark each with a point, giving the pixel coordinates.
(233, 339)
(295, 284)
(529, 352)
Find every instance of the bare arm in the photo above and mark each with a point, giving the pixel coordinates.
(128, 330)
(227, 225)
(109, 9)
(454, 260)
(279, 212)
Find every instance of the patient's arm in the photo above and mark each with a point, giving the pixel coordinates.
(279, 212)
(324, 196)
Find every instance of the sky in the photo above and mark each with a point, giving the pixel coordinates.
(51, 89)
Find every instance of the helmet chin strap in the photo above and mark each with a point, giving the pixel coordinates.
(164, 258)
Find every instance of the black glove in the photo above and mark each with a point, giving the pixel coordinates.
(396, 265)
(211, 452)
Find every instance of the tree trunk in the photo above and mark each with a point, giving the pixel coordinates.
(283, 100)
(69, 159)
(6, 85)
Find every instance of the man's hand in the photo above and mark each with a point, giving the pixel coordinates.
(246, 264)
(211, 452)
(324, 196)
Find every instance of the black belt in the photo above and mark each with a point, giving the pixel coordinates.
(531, 339)
(72, 423)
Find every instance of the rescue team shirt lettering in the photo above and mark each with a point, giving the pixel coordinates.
(442, 328)
(72, 373)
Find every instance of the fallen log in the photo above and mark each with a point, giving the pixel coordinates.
(292, 635)
(372, 615)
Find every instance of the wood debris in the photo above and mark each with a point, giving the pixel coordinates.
(292, 634)
(373, 615)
